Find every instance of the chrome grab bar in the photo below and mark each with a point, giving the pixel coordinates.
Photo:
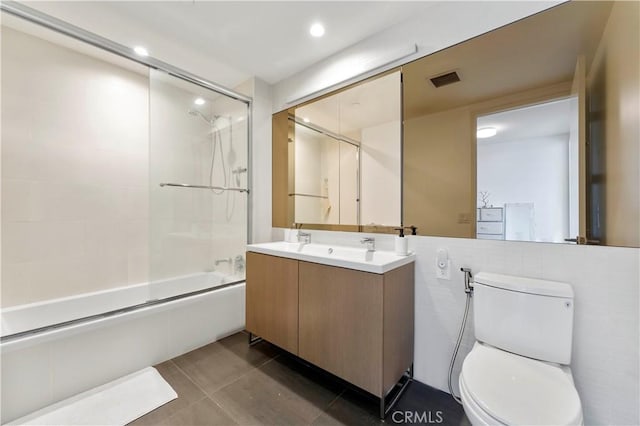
(219, 188)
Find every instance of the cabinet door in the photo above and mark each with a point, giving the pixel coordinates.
(341, 323)
(272, 299)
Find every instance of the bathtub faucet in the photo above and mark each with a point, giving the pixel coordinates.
(238, 264)
(227, 260)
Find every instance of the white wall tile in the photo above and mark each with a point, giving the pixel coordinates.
(20, 275)
(28, 199)
(59, 277)
(74, 179)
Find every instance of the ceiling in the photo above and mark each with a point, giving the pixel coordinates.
(267, 39)
(550, 118)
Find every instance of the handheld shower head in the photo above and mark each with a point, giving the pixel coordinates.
(196, 113)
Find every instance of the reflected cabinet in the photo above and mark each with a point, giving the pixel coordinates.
(536, 120)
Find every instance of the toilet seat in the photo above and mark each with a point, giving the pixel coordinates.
(499, 387)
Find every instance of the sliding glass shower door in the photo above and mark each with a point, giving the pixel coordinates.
(88, 138)
(198, 169)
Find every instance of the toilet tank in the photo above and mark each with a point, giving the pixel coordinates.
(529, 317)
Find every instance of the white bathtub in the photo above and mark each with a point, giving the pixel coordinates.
(41, 368)
(32, 316)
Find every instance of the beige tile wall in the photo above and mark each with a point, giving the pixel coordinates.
(74, 172)
(85, 143)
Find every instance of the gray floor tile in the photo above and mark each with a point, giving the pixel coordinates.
(205, 412)
(218, 364)
(262, 385)
(428, 405)
(275, 394)
(256, 354)
(351, 408)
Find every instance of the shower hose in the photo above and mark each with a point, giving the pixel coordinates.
(469, 291)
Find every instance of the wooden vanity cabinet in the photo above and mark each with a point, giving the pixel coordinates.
(272, 299)
(357, 325)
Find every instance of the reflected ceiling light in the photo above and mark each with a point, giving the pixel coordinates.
(316, 30)
(486, 132)
(240, 119)
(141, 51)
(199, 101)
(306, 120)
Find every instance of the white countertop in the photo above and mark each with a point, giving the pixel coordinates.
(377, 262)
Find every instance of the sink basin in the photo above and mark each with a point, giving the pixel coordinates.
(377, 262)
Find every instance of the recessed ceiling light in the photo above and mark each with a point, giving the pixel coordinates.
(199, 101)
(316, 30)
(486, 132)
(305, 119)
(141, 51)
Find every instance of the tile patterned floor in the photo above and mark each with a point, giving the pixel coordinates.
(231, 383)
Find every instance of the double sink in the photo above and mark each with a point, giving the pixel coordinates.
(360, 259)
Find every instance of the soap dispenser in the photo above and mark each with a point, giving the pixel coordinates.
(402, 246)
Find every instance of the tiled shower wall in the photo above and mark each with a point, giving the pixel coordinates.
(85, 143)
(74, 172)
(192, 228)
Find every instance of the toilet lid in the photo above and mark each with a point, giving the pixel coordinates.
(519, 390)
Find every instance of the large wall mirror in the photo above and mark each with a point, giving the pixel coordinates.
(343, 163)
(529, 132)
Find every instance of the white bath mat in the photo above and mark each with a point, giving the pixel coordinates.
(115, 403)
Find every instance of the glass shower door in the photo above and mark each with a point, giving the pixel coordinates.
(198, 152)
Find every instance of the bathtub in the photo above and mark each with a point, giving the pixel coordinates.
(53, 363)
(40, 315)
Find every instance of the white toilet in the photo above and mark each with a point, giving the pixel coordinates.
(518, 370)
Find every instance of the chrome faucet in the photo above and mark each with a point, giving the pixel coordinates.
(228, 260)
(238, 264)
(370, 242)
(304, 237)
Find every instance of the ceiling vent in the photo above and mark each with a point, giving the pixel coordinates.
(444, 79)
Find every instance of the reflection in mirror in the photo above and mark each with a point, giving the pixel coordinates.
(325, 178)
(527, 173)
(548, 179)
(343, 159)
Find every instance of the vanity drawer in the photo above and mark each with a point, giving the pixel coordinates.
(489, 228)
(489, 236)
(491, 214)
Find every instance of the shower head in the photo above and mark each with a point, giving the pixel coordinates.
(195, 113)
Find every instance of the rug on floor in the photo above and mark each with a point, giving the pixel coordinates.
(116, 403)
